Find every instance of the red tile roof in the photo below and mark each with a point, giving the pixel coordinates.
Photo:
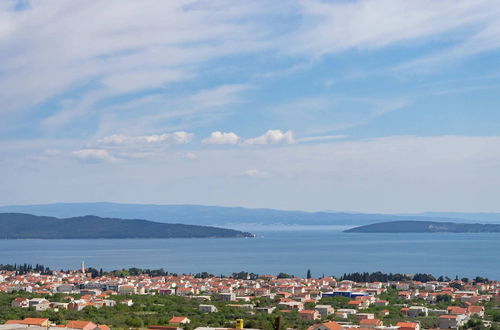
(177, 319)
(79, 324)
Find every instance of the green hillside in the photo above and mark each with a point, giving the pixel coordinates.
(23, 226)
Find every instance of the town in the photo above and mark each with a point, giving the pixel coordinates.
(88, 299)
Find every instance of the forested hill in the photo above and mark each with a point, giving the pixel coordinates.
(23, 226)
(425, 227)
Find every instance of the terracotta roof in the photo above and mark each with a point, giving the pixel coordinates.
(476, 309)
(79, 324)
(330, 325)
(177, 319)
(34, 321)
(162, 327)
(407, 324)
(370, 322)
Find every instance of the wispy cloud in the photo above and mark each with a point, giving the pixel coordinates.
(115, 48)
(94, 156)
(326, 113)
(180, 137)
(131, 52)
(186, 111)
(272, 137)
(333, 27)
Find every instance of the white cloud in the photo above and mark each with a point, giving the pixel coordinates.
(179, 137)
(182, 137)
(115, 139)
(176, 137)
(94, 155)
(218, 137)
(254, 173)
(272, 137)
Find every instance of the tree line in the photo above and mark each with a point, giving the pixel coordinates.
(383, 277)
(22, 269)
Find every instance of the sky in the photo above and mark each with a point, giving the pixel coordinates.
(361, 105)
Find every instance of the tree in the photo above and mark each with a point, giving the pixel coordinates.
(309, 273)
(443, 298)
(480, 279)
(242, 275)
(134, 322)
(474, 324)
(203, 275)
(94, 272)
(423, 277)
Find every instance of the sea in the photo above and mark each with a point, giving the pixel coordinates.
(325, 250)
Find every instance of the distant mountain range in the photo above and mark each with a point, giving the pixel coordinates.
(227, 216)
(425, 227)
(24, 226)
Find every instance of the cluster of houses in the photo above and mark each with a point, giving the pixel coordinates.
(288, 294)
(44, 323)
(97, 301)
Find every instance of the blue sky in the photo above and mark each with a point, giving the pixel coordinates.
(373, 106)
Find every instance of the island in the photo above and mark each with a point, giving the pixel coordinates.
(28, 226)
(425, 227)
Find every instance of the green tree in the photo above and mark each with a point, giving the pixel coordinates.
(446, 298)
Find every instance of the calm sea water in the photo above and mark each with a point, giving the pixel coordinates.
(325, 250)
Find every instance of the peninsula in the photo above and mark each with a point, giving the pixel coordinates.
(425, 227)
(27, 226)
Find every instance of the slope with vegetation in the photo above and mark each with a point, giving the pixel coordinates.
(425, 227)
(24, 226)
